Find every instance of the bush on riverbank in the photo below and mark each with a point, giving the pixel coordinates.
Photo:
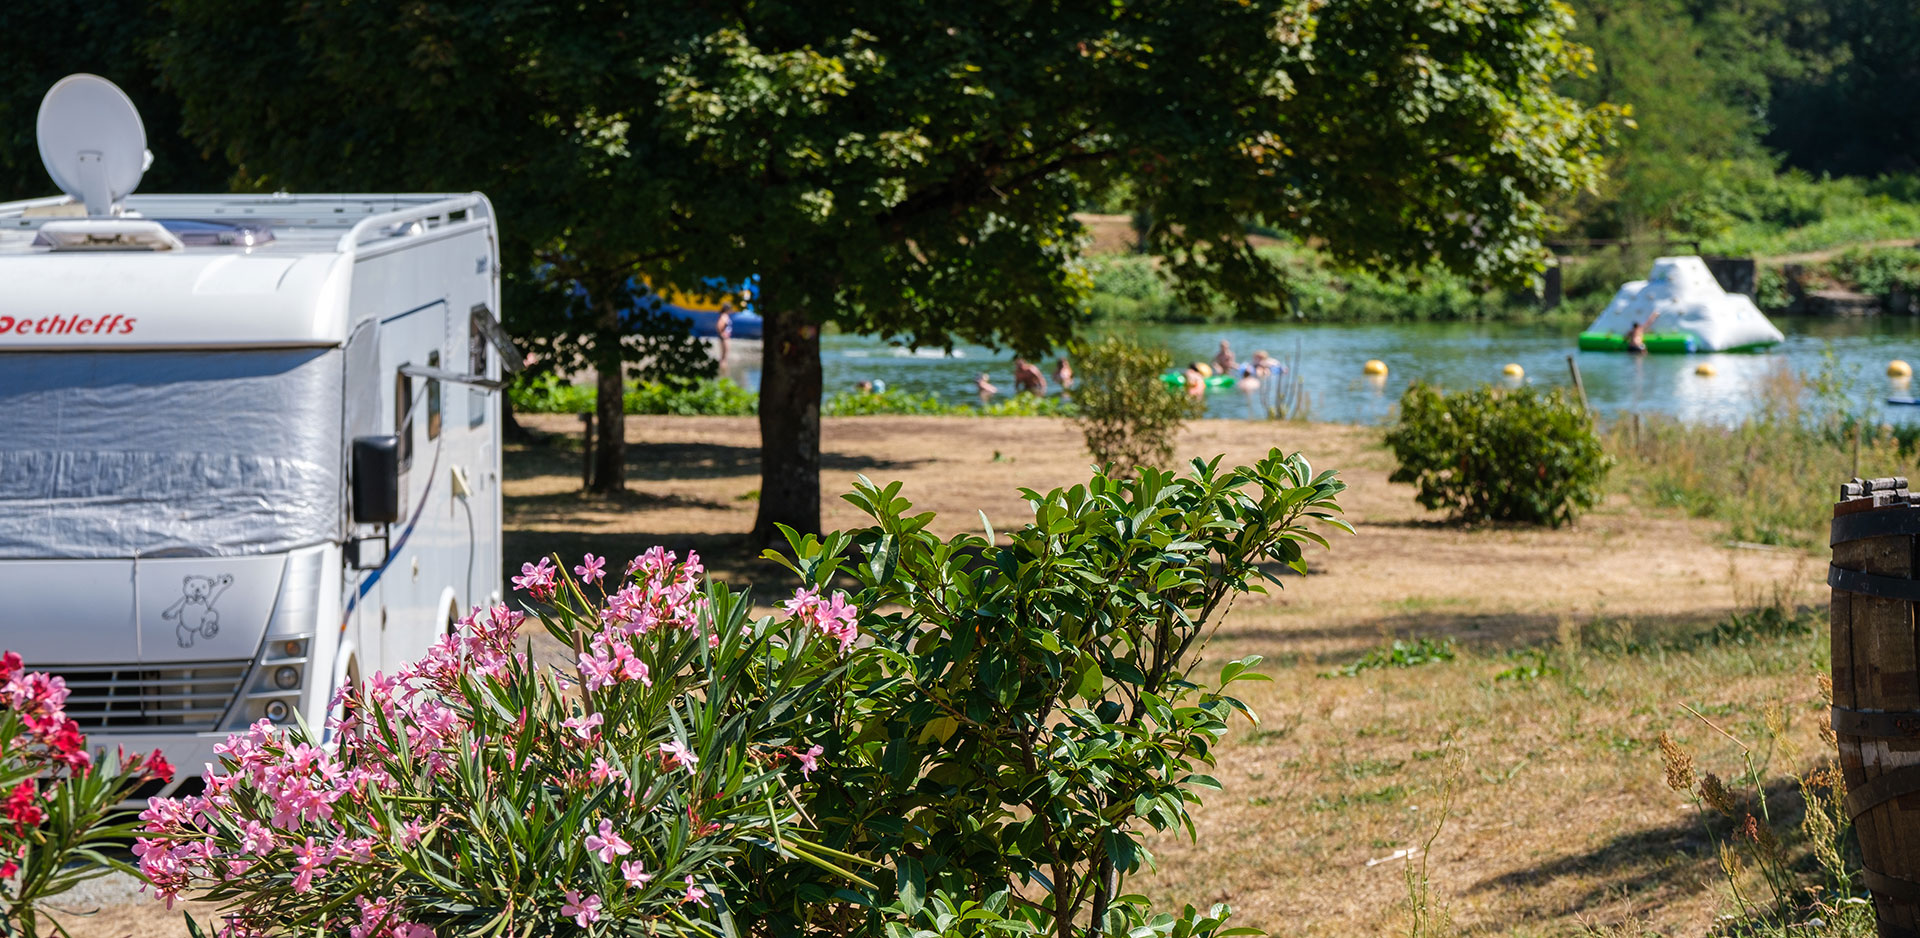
(893, 402)
(1746, 209)
(714, 397)
(1127, 414)
(1498, 454)
(721, 397)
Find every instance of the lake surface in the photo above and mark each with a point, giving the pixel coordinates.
(1453, 355)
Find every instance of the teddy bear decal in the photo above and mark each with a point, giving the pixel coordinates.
(194, 610)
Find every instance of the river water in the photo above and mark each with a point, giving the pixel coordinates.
(1453, 355)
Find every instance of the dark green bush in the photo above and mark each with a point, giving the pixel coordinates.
(1499, 454)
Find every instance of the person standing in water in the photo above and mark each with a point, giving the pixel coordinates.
(1027, 378)
(1223, 362)
(1063, 373)
(724, 326)
(984, 385)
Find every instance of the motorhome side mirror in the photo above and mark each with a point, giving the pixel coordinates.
(376, 479)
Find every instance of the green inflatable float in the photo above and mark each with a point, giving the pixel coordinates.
(1671, 343)
(1174, 379)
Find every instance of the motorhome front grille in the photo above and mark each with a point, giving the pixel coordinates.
(185, 697)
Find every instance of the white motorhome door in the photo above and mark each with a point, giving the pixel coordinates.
(410, 588)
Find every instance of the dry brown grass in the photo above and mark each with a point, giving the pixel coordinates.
(1561, 819)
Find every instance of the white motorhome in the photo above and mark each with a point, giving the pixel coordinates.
(249, 445)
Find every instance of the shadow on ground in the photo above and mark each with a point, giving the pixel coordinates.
(1636, 866)
(665, 462)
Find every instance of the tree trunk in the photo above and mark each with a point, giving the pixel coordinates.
(610, 447)
(789, 424)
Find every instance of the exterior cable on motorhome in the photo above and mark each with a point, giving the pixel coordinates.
(249, 449)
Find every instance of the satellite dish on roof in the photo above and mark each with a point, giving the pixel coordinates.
(92, 142)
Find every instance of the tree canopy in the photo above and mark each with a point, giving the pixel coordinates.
(910, 168)
(506, 98)
(904, 168)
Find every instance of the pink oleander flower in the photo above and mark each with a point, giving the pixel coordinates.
(257, 839)
(834, 618)
(537, 579)
(412, 831)
(634, 873)
(678, 754)
(604, 771)
(585, 910)
(311, 861)
(412, 930)
(810, 760)
(695, 894)
(598, 669)
(607, 843)
(591, 569)
(584, 726)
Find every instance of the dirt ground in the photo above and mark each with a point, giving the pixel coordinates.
(1543, 798)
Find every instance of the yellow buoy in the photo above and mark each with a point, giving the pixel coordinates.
(1899, 369)
(1704, 370)
(1375, 366)
(1513, 370)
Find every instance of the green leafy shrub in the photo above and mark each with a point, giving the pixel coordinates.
(714, 397)
(1498, 454)
(718, 397)
(547, 394)
(1029, 704)
(1126, 412)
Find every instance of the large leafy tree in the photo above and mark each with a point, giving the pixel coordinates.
(908, 168)
(508, 98)
(50, 39)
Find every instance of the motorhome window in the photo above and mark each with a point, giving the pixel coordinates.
(403, 416)
(189, 453)
(476, 365)
(433, 398)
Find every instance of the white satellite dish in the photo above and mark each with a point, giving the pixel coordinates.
(92, 142)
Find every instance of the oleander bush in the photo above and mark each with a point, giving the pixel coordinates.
(1499, 454)
(60, 819)
(958, 737)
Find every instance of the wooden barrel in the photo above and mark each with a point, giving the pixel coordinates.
(1876, 688)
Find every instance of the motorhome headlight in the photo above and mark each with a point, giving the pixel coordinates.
(275, 682)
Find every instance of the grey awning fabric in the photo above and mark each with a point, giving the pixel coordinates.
(168, 453)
